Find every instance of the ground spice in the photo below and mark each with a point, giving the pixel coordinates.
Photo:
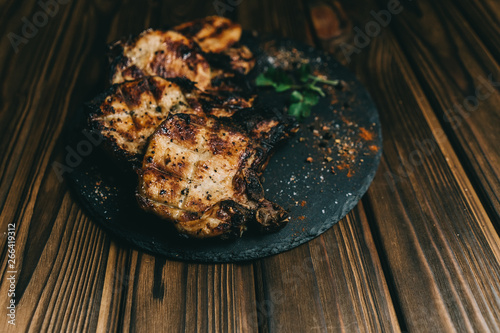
(365, 134)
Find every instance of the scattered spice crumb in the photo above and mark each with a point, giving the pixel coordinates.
(309, 159)
(365, 134)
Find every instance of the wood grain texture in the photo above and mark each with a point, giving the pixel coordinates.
(462, 80)
(420, 252)
(439, 250)
(333, 283)
(484, 18)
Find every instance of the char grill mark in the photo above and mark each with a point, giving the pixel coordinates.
(213, 34)
(180, 101)
(218, 37)
(129, 113)
(201, 51)
(215, 166)
(164, 53)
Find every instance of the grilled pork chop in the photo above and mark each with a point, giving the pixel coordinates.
(176, 54)
(128, 114)
(164, 53)
(213, 34)
(219, 35)
(202, 173)
(180, 102)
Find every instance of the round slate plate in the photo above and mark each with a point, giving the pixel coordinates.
(344, 126)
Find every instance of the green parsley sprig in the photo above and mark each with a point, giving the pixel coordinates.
(304, 95)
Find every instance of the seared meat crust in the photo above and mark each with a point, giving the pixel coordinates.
(128, 114)
(202, 173)
(194, 50)
(214, 34)
(164, 53)
(180, 102)
(219, 35)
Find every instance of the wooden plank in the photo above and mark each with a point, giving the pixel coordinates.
(484, 17)
(60, 254)
(441, 249)
(334, 282)
(165, 295)
(65, 286)
(462, 79)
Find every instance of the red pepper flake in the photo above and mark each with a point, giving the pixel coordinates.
(302, 217)
(303, 203)
(342, 166)
(309, 159)
(365, 134)
(373, 148)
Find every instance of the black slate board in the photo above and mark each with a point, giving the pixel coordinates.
(315, 197)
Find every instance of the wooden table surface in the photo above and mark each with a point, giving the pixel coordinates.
(419, 253)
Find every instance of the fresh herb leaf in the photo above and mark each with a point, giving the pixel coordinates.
(316, 89)
(262, 80)
(282, 87)
(307, 94)
(296, 109)
(306, 110)
(275, 77)
(296, 96)
(310, 97)
(304, 72)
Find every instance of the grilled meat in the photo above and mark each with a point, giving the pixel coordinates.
(176, 54)
(180, 103)
(164, 53)
(129, 112)
(219, 35)
(214, 34)
(202, 173)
